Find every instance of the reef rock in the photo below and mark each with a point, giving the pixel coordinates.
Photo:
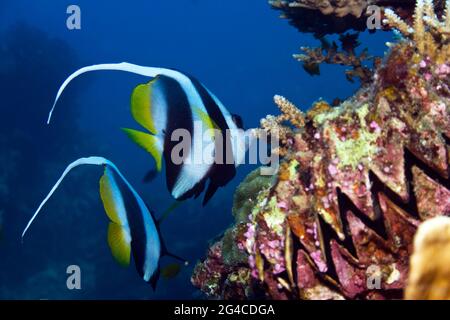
(355, 181)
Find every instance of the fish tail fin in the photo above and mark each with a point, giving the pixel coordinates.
(150, 143)
(82, 161)
(124, 66)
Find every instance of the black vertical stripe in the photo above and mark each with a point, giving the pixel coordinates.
(135, 217)
(179, 116)
(220, 174)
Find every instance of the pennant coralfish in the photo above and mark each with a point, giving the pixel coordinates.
(173, 101)
(132, 229)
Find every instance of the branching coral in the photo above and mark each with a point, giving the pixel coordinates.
(289, 112)
(330, 54)
(274, 125)
(357, 180)
(429, 34)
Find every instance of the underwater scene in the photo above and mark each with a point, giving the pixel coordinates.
(225, 150)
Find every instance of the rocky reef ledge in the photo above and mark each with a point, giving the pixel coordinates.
(338, 219)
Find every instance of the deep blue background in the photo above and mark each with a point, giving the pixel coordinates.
(240, 49)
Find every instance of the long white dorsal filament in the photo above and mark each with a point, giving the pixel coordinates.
(99, 161)
(79, 162)
(124, 66)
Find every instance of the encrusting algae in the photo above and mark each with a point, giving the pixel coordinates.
(337, 220)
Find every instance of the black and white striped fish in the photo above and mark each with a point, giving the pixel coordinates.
(133, 229)
(173, 103)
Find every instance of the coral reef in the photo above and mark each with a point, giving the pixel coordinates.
(273, 125)
(431, 35)
(227, 256)
(355, 183)
(337, 8)
(429, 276)
(313, 21)
(322, 17)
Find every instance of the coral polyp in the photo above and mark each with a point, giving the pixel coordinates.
(338, 219)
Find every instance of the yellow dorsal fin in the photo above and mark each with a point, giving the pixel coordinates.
(108, 199)
(141, 105)
(148, 142)
(206, 119)
(119, 243)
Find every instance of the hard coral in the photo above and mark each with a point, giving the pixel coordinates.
(323, 17)
(355, 183)
(429, 278)
(430, 35)
(273, 125)
(338, 8)
(225, 271)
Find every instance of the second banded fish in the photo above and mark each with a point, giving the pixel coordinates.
(133, 230)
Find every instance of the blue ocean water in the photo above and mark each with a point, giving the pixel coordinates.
(241, 50)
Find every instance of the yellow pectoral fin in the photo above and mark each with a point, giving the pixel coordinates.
(107, 196)
(141, 105)
(148, 142)
(119, 243)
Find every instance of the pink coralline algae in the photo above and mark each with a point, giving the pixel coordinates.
(337, 220)
(443, 70)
